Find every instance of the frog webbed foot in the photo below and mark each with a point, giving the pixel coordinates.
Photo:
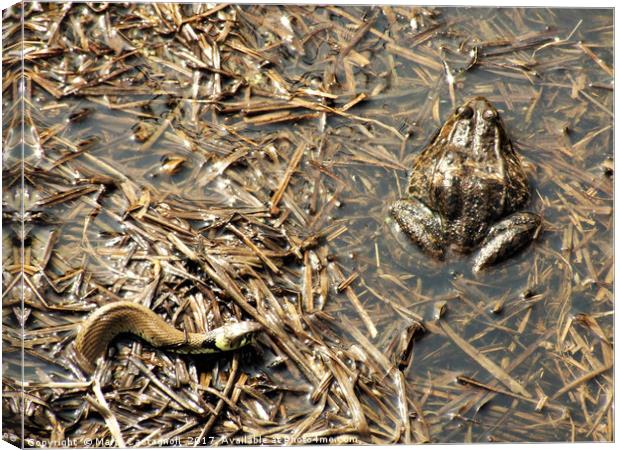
(421, 225)
(506, 238)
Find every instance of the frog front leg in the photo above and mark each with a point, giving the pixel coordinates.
(421, 224)
(506, 238)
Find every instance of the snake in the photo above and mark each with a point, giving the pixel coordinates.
(126, 317)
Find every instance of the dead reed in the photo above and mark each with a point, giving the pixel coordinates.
(229, 162)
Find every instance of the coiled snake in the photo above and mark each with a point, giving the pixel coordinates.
(109, 321)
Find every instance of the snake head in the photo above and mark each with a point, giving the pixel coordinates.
(234, 336)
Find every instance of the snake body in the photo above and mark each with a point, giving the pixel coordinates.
(109, 321)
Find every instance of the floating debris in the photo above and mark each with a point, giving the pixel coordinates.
(220, 163)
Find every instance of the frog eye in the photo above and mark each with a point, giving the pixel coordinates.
(489, 115)
(465, 112)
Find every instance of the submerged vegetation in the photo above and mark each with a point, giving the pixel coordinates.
(225, 163)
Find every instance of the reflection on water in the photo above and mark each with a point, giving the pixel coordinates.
(295, 127)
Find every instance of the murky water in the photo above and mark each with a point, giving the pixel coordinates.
(99, 118)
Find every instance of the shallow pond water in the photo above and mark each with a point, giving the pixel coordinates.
(223, 163)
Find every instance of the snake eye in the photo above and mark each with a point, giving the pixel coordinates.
(489, 115)
(464, 112)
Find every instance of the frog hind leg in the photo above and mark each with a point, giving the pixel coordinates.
(506, 238)
(421, 224)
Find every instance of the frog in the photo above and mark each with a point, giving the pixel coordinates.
(467, 189)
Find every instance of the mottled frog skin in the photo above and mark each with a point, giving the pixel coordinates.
(465, 190)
